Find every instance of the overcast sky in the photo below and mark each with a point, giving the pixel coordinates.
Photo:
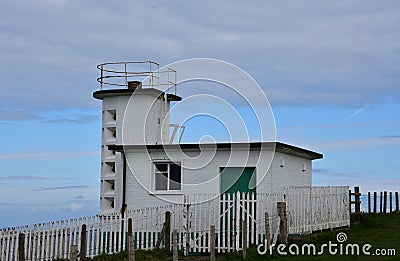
(331, 70)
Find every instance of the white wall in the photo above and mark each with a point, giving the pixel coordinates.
(131, 125)
(199, 175)
(291, 174)
(144, 118)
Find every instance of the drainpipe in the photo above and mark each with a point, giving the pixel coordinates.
(123, 207)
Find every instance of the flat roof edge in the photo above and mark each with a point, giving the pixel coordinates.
(101, 94)
(279, 147)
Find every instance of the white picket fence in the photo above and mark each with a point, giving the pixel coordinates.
(316, 208)
(104, 234)
(308, 210)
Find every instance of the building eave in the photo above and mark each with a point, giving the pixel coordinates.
(277, 146)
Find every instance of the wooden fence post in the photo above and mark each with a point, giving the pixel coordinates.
(384, 201)
(82, 253)
(168, 230)
(212, 243)
(21, 247)
(131, 245)
(175, 245)
(390, 202)
(357, 205)
(244, 239)
(381, 198)
(187, 228)
(40, 244)
(267, 229)
(375, 202)
(73, 255)
(283, 222)
(357, 195)
(397, 202)
(369, 202)
(63, 243)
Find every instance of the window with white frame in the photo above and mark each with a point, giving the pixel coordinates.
(167, 176)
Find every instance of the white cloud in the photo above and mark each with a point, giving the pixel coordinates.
(357, 143)
(328, 53)
(16, 214)
(49, 155)
(76, 206)
(23, 178)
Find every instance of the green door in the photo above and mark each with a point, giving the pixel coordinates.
(237, 180)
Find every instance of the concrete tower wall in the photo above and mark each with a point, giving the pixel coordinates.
(129, 118)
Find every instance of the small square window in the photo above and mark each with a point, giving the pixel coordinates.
(167, 176)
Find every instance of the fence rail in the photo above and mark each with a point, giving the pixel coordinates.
(308, 210)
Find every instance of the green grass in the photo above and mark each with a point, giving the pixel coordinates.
(381, 231)
(151, 255)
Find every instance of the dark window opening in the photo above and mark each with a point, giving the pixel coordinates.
(167, 176)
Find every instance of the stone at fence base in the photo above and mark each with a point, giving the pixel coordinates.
(74, 253)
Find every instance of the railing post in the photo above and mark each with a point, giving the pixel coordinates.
(375, 201)
(125, 76)
(101, 77)
(397, 202)
(151, 75)
(390, 201)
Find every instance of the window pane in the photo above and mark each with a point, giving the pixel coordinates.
(162, 167)
(175, 176)
(161, 181)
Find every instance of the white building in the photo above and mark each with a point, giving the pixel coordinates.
(140, 168)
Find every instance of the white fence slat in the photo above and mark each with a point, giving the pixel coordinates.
(42, 247)
(47, 242)
(7, 245)
(12, 244)
(101, 234)
(222, 227)
(51, 240)
(97, 234)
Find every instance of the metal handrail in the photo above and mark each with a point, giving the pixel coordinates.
(118, 74)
